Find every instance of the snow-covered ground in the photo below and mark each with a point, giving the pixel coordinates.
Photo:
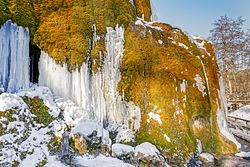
(26, 141)
(100, 161)
(242, 113)
(243, 154)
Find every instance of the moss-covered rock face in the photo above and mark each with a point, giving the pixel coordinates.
(172, 80)
(4, 11)
(65, 29)
(143, 8)
(175, 83)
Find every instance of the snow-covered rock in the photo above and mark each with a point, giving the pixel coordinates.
(147, 149)
(86, 128)
(243, 154)
(124, 135)
(23, 139)
(206, 157)
(9, 101)
(100, 161)
(121, 149)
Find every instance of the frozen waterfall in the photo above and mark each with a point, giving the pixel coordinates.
(14, 57)
(95, 93)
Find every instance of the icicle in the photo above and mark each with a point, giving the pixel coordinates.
(95, 93)
(14, 55)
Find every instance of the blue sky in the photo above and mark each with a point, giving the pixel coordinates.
(196, 16)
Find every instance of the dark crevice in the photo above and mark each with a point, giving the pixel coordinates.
(34, 53)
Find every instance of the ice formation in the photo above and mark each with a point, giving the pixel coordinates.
(200, 84)
(14, 55)
(95, 93)
(154, 16)
(221, 117)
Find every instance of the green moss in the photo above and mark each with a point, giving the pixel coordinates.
(4, 12)
(42, 163)
(72, 143)
(155, 72)
(54, 145)
(8, 114)
(25, 16)
(15, 164)
(38, 108)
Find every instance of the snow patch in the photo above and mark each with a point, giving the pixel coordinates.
(183, 86)
(125, 135)
(242, 113)
(145, 24)
(99, 161)
(160, 42)
(199, 146)
(147, 149)
(9, 101)
(155, 117)
(199, 42)
(121, 149)
(53, 162)
(183, 45)
(43, 93)
(199, 84)
(167, 138)
(208, 157)
(86, 128)
(243, 154)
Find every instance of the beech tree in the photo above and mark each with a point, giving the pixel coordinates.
(232, 46)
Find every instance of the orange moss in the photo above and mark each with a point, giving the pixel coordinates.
(143, 7)
(152, 74)
(64, 28)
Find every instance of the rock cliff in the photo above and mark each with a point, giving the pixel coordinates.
(151, 80)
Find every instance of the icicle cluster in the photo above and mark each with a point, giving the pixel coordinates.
(14, 57)
(95, 93)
